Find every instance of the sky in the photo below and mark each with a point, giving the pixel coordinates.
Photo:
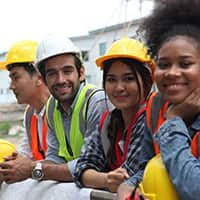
(33, 19)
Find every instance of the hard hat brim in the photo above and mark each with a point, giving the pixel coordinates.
(100, 61)
(2, 65)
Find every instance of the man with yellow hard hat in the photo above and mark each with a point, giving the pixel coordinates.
(28, 87)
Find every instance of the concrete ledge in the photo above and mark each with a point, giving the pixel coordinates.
(102, 195)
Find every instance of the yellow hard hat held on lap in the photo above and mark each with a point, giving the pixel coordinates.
(156, 184)
(6, 149)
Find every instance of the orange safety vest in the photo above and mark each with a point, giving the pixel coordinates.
(104, 121)
(156, 108)
(38, 150)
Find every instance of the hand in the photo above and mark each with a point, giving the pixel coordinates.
(123, 191)
(12, 157)
(115, 178)
(7, 158)
(135, 196)
(14, 170)
(188, 109)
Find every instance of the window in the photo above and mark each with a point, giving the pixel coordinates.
(102, 48)
(85, 55)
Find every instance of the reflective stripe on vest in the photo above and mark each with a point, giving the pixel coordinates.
(38, 151)
(78, 123)
(103, 129)
(156, 108)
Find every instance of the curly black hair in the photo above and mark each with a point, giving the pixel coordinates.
(169, 19)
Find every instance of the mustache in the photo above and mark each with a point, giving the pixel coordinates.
(62, 85)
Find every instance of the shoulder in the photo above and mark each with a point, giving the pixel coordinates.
(98, 93)
(28, 111)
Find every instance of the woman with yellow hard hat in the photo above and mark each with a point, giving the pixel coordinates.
(115, 145)
(173, 114)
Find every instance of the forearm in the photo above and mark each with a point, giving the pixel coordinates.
(54, 171)
(93, 179)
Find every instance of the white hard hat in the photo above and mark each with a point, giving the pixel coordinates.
(53, 45)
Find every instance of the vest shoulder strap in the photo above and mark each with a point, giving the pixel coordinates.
(28, 117)
(103, 125)
(50, 105)
(154, 106)
(90, 92)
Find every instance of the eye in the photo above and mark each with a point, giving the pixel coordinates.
(68, 71)
(129, 78)
(110, 79)
(15, 77)
(50, 73)
(163, 65)
(186, 64)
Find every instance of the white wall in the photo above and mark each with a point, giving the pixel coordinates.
(6, 95)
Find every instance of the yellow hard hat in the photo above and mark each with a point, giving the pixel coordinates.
(2, 65)
(6, 149)
(127, 48)
(156, 184)
(22, 52)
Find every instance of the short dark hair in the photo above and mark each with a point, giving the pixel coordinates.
(29, 67)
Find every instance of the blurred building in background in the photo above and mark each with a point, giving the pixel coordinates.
(92, 45)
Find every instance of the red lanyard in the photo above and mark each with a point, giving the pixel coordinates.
(120, 157)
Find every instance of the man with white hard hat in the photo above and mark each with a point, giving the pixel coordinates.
(73, 111)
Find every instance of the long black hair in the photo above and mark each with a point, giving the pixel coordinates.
(116, 121)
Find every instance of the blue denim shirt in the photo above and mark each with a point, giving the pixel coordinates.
(174, 140)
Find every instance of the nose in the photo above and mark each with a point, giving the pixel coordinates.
(119, 85)
(12, 86)
(174, 70)
(60, 77)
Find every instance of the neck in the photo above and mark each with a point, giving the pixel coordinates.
(65, 106)
(38, 103)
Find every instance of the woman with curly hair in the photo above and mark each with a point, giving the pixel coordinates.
(172, 33)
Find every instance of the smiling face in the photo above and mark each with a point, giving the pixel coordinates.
(62, 78)
(178, 68)
(122, 88)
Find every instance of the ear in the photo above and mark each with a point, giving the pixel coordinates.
(38, 80)
(82, 73)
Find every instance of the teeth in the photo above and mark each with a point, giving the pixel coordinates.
(172, 86)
